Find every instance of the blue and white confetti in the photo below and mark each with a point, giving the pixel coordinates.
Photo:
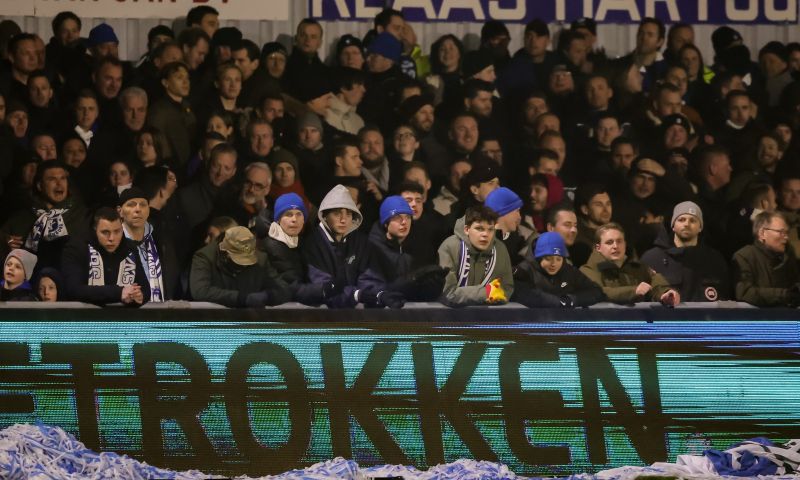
(41, 452)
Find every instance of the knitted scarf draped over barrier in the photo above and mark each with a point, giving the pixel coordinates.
(49, 226)
(464, 265)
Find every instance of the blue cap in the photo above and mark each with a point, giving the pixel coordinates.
(394, 205)
(102, 33)
(289, 201)
(502, 201)
(386, 45)
(550, 243)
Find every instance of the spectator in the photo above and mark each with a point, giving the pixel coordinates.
(699, 273)
(341, 114)
(105, 269)
(335, 239)
(623, 279)
(549, 281)
(479, 268)
(232, 272)
(50, 286)
(506, 204)
(55, 216)
(173, 116)
(766, 272)
(405, 274)
(17, 271)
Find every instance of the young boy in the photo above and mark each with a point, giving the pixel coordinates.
(549, 281)
(480, 268)
(17, 271)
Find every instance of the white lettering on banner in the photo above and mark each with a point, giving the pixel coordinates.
(672, 8)
(789, 14)
(588, 8)
(474, 5)
(228, 9)
(363, 11)
(499, 13)
(702, 10)
(561, 10)
(426, 5)
(618, 5)
(741, 15)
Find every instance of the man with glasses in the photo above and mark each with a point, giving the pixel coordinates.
(248, 204)
(766, 272)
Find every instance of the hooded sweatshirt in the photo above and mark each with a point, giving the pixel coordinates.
(345, 262)
(452, 255)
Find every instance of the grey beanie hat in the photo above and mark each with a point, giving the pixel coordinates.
(690, 208)
(27, 259)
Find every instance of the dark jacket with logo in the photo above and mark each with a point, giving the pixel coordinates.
(699, 274)
(765, 278)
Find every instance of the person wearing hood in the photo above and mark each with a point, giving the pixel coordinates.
(547, 280)
(697, 271)
(403, 273)
(230, 271)
(50, 286)
(17, 271)
(337, 253)
(623, 279)
(479, 268)
(106, 269)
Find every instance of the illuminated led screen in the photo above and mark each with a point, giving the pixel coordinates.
(228, 395)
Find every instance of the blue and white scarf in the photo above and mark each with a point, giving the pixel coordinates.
(125, 276)
(148, 255)
(464, 265)
(49, 225)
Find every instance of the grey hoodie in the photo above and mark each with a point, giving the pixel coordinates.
(474, 293)
(339, 197)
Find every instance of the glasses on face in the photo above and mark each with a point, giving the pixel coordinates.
(254, 186)
(783, 232)
(403, 136)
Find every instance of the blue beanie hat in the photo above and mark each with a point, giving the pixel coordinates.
(502, 201)
(550, 243)
(386, 45)
(289, 201)
(102, 33)
(394, 205)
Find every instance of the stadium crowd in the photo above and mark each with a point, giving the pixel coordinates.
(214, 169)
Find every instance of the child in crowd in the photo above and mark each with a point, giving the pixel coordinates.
(17, 270)
(479, 267)
(557, 283)
(50, 285)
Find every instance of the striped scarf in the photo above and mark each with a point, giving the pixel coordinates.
(464, 265)
(148, 255)
(49, 226)
(125, 276)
